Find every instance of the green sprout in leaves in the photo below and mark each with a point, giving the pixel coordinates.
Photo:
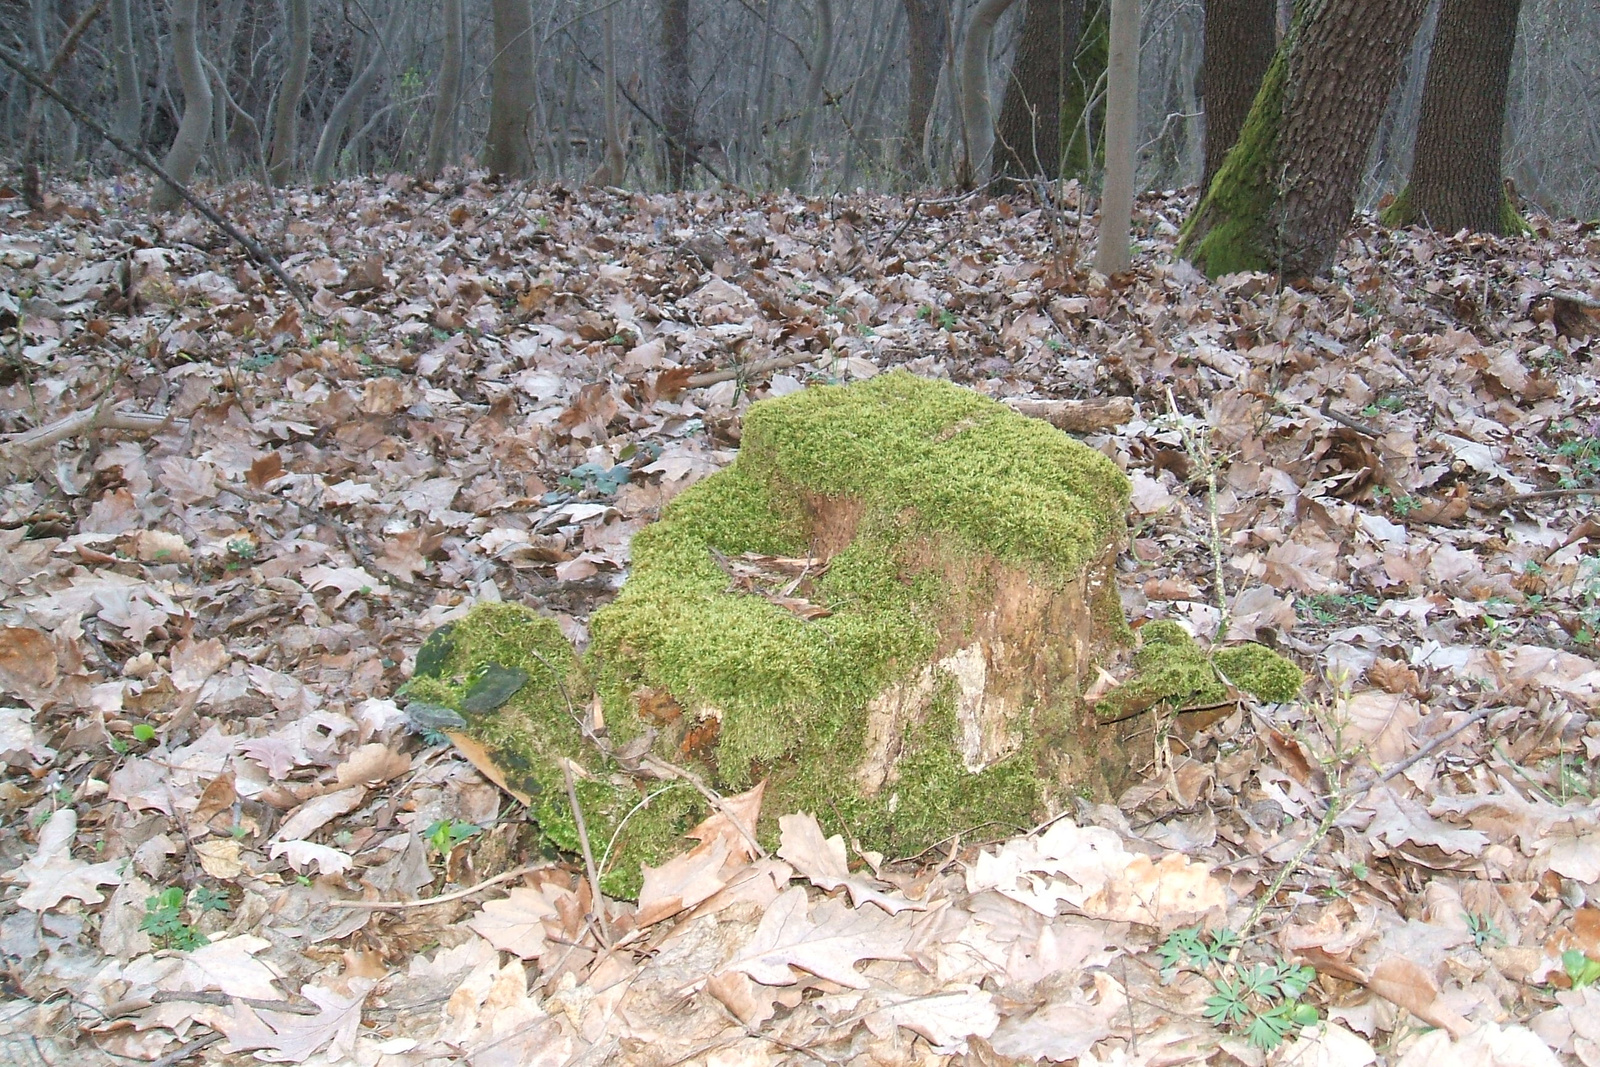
(1261, 1001)
(1483, 930)
(163, 921)
(143, 732)
(444, 835)
(1582, 970)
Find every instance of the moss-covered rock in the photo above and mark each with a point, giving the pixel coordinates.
(962, 557)
(1171, 669)
(504, 684)
(887, 609)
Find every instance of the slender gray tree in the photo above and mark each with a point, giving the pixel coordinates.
(194, 130)
(286, 116)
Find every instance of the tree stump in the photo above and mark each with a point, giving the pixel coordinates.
(888, 609)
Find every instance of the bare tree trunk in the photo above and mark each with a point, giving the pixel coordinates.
(441, 138)
(195, 127)
(129, 114)
(1029, 132)
(1122, 117)
(1455, 170)
(221, 130)
(509, 151)
(339, 119)
(286, 119)
(927, 29)
(977, 117)
(1241, 36)
(1286, 190)
(677, 104)
(613, 169)
(821, 57)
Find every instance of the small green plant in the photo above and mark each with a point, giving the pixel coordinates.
(163, 921)
(444, 835)
(603, 481)
(1582, 970)
(943, 318)
(1261, 1001)
(143, 732)
(1390, 403)
(241, 553)
(1328, 608)
(1483, 930)
(1405, 505)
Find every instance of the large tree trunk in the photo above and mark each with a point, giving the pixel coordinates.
(1286, 190)
(1241, 36)
(1455, 169)
(821, 57)
(129, 114)
(509, 150)
(339, 119)
(195, 127)
(1029, 133)
(441, 137)
(977, 115)
(1122, 118)
(286, 118)
(677, 95)
(927, 28)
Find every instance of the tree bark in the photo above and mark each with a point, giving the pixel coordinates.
(1029, 133)
(441, 137)
(508, 151)
(927, 30)
(977, 116)
(677, 97)
(1455, 169)
(129, 114)
(1284, 195)
(1241, 36)
(340, 117)
(195, 127)
(821, 57)
(286, 118)
(1122, 117)
(614, 168)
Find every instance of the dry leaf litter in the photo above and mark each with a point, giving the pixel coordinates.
(207, 614)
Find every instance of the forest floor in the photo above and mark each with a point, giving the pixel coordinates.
(206, 618)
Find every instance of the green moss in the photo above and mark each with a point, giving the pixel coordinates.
(1403, 212)
(513, 677)
(932, 472)
(1260, 672)
(962, 463)
(1171, 668)
(1230, 229)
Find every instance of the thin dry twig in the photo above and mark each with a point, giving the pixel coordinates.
(593, 872)
(443, 898)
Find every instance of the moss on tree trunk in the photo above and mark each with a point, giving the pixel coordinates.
(1285, 193)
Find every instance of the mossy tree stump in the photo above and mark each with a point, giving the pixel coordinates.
(887, 608)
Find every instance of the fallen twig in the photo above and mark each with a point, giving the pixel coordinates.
(14, 447)
(239, 237)
(588, 857)
(443, 898)
(751, 369)
(1075, 416)
(911, 216)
